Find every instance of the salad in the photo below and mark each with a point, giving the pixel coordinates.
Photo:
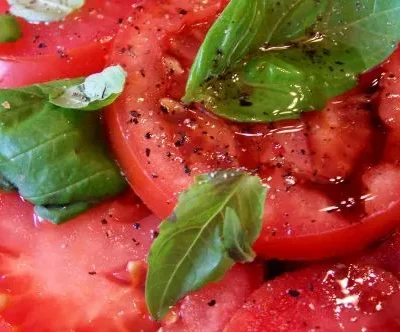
(219, 165)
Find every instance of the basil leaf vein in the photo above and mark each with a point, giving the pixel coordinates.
(213, 226)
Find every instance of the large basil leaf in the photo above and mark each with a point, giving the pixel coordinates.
(55, 157)
(310, 54)
(9, 29)
(214, 224)
(43, 10)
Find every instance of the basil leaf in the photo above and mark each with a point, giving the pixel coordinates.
(55, 157)
(10, 30)
(95, 92)
(214, 224)
(242, 28)
(44, 10)
(303, 64)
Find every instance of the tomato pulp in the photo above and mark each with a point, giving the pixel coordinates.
(326, 171)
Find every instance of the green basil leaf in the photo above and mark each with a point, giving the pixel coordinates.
(302, 65)
(55, 157)
(214, 224)
(95, 92)
(242, 28)
(10, 30)
(44, 10)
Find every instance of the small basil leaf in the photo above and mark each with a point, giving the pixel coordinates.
(299, 69)
(194, 244)
(44, 10)
(10, 30)
(59, 214)
(95, 92)
(54, 156)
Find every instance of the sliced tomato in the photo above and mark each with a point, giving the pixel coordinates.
(330, 298)
(161, 143)
(212, 307)
(87, 274)
(75, 46)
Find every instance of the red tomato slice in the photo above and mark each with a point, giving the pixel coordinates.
(323, 298)
(76, 46)
(161, 144)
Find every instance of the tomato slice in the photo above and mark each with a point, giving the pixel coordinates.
(316, 166)
(76, 46)
(329, 298)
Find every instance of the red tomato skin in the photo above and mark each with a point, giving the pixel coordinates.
(327, 298)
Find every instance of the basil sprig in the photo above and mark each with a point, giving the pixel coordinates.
(267, 60)
(44, 11)
(55, 156)
(213, 226)
(10, 30)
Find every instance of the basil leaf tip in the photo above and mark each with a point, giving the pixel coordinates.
(44, 11)
(214, 225)
(56, 157)
(10, 30)
(268, 60)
